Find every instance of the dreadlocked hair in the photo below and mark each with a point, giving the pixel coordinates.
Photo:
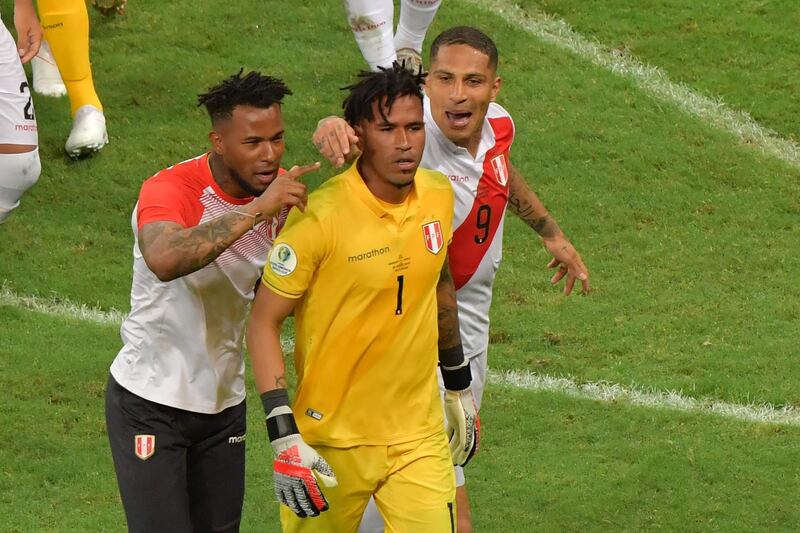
(384, 86)
(254, 89)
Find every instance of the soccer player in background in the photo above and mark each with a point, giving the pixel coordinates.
(64, 66)
(175, 402)
(469, 138)
(365, 271)
(372, 22)
(47, 79)
(19, 142)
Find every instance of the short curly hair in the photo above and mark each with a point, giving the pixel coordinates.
(254, 89)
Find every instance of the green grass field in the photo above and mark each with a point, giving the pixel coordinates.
(690, 234)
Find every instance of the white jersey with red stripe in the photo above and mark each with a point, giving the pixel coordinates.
(481, 196)
(183, 338)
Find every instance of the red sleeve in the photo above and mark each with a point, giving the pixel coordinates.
(162, 201)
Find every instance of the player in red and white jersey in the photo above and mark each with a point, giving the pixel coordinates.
(481, 185)
(468, 138)
(19, 143)
(202, 228)
(216, 296)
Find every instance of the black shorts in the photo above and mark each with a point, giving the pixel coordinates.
(178, 471)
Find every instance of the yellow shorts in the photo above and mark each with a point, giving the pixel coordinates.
(413, 485)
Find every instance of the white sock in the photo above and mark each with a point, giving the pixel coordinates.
(18, 173)
(415, 18)
(372, 23)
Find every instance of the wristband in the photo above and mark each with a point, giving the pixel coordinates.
(274, 398)
(255, 217)
(281, 424)
(451, 357)
(457, 379)
(280, 420)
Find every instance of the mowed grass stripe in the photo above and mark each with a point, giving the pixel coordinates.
(598, 391)
(649, 78)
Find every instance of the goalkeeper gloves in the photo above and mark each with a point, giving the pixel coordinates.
(295, 461)
(463, 423)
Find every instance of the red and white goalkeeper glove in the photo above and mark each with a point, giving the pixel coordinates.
(295, 461)
(463, 422)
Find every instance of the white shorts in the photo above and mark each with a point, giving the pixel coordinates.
(477, 366)
(17, 121)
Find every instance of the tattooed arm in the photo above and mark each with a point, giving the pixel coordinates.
(523, 202)
(461, 414)
(264, 339)
(449, 335)
(172, 251)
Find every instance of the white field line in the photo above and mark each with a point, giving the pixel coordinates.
(614, 393)
(61, 307)
(649, 78)
(600, 391)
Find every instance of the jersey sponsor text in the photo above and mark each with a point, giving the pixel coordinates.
(375, 252)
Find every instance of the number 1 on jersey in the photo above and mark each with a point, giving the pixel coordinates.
(399, 310)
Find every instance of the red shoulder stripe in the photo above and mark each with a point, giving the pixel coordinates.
(473, 238)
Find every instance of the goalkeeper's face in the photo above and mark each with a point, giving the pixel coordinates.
(391, 145)
(251, 146)
(460, 85)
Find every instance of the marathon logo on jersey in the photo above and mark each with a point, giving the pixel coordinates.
(282, 259)
(144, 446)
(432, 232)
(238, 439)
(500, 169)
(375, 252)
(455, 178)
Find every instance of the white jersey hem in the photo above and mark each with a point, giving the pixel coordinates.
(207, 409)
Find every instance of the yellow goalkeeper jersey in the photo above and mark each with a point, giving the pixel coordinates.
(365, 274)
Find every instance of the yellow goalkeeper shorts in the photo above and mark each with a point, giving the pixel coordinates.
(413, 485)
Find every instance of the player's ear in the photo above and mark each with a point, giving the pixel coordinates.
(216, 141)
(358, 128)
(495, 88)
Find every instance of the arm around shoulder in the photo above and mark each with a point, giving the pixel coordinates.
(336, 140)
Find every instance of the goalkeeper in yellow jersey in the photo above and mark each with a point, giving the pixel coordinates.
(364, 269)
(63, 67)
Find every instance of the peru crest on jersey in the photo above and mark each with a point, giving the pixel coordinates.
(500, 169)
(432, 232)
